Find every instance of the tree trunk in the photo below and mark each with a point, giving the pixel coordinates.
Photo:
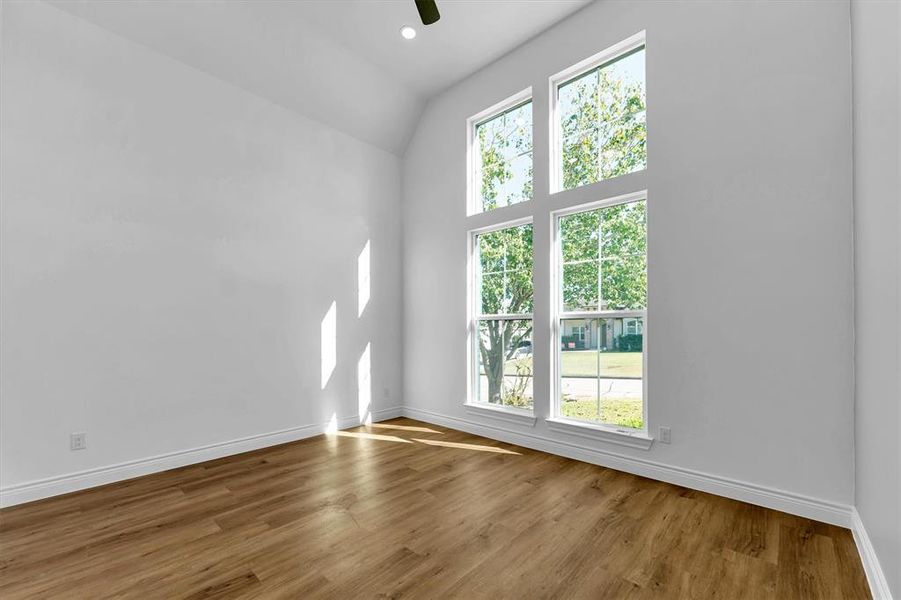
(493, 359)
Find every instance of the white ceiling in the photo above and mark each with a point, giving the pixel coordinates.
(341, 62)
(469, 35)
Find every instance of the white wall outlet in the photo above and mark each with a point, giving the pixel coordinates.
(78, 441)
(663, 435)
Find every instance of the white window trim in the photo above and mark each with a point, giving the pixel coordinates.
(508, 414)
(632, 438)
(474, 315)
(638, 438)
(614, 52)
(632, 322)
(473, 199)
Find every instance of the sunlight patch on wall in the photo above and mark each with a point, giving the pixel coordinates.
(364, 386)
(329, 343)
(332, 426)
(363, 289)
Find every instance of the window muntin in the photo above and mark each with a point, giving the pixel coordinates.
(634, 326)
(502, 323)
(600, 115)
(601, 314)
(502, 156)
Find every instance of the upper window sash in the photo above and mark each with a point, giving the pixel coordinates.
(509, 147)
(585, 292)
(476, 273)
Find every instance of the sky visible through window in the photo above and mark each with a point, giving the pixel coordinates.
(602, 122)
(629, 70)
(504, 143)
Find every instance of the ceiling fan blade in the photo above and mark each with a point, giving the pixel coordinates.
(428, 11)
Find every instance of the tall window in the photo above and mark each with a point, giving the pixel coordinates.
(502, 321)
(501, 155)
(602, 299)
(600, 116)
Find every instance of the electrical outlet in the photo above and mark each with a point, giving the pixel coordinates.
(663, 434)
(78, 441)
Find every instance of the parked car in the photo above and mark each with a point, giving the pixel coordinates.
(524, 350)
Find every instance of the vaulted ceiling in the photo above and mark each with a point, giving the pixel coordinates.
(341, 62)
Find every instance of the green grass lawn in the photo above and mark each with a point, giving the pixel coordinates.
(619, 411)
(584, 363)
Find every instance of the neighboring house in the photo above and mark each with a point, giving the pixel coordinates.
(589, 334)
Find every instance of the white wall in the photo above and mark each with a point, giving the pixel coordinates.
(749, 186)
(875, 28)
(170, 244)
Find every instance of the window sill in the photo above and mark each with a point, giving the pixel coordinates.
(517, 416)
(603, 433)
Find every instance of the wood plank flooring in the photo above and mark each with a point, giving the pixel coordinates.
(404, 509)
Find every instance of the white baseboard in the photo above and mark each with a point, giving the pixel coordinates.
(73, 482)
(387, 413)
(796, 504)
(875, 575)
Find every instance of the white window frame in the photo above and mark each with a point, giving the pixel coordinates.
(473, 166)
(634, 324)
(638, 437)
(605, 56)
(578, 333)
(474, 315)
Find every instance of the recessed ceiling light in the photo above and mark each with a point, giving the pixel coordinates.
(407, 32)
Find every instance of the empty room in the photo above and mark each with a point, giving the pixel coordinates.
(467, 299)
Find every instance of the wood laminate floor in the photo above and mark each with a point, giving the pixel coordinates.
(403, 509)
